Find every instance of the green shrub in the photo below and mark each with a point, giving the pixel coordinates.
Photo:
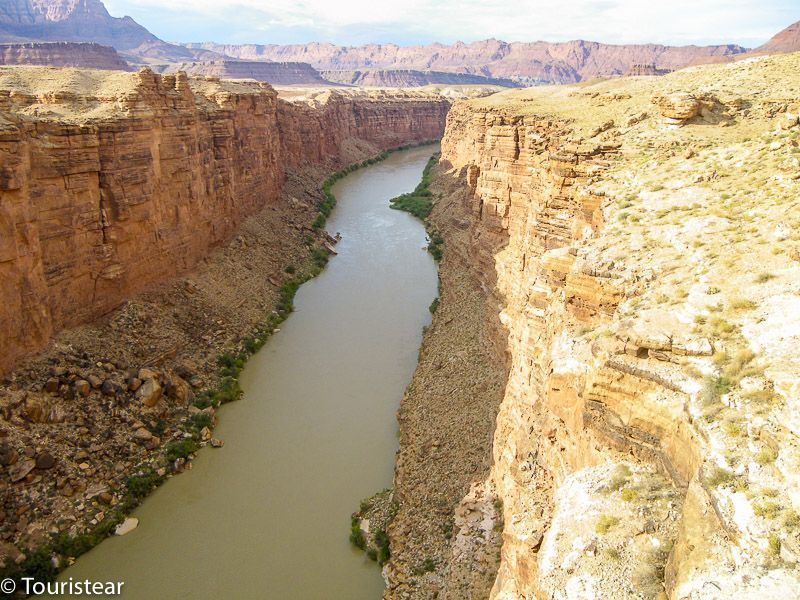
(426, 566)
(180, 449)
(319, 222)
(774, 544)
(382, 541)
(356, 535)
(434, 305)
(141, 484)
(435, 246)
(629, 495)
(201, 420)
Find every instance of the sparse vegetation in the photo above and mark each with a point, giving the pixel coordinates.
(766, 455)
(629, 494)
(605, 523)
(720, 476)
(619, 478)
(426, 566)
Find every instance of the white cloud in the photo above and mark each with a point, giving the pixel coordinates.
(748, 22)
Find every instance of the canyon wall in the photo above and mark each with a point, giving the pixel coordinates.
(275, 73)
(644, 445)
(411, 78)
(62, 54)
(132, 178)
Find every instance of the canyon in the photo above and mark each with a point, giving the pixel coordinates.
(148, 224)
(632, 246)
(605, 402)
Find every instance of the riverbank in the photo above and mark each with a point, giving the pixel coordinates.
(157, 416)
(445, 527)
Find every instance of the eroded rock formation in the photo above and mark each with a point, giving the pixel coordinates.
(645, 444)
(63, 54)
(275, 73)
(411, 78)
(121, 180)
(526, 63)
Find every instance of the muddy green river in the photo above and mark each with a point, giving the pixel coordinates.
(267, 516)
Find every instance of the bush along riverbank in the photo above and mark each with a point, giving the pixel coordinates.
(420, 203)
(369, 524)
(45, 563)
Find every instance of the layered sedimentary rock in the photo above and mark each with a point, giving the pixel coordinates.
(524, 62)
(113, 181)
(84, 21)
(63, 54)
(411, 78)
(647, 440)
(275, 73)
(70, 20)
(645, 71)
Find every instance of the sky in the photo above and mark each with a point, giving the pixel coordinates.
(405, 22)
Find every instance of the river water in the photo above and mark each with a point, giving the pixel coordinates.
(267, 516)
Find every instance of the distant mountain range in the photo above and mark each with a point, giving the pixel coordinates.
(528, 63)
(488, 61)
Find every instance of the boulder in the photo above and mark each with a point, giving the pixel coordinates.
(45, 461)
(180, 390)
(8, 456)
(678, 107)
(51, 386)
(150, 392)
(126, 526)
(20, 470)
(142, 435)
(82, 388)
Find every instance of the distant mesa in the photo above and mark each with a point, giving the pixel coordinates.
(87, 55)
(411, 78)
(275, 73)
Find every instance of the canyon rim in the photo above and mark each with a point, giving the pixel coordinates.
(605, 403)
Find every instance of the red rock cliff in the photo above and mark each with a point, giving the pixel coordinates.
(132, 178)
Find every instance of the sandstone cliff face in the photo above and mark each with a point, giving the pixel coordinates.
(62, 54)
(128, 179)
(84, 21)
(643, 444)
(69, 20)
(411, 78)
(275, 73)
